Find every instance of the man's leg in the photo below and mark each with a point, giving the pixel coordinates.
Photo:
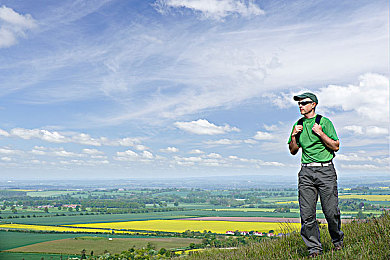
(329, 202)
(308, 196)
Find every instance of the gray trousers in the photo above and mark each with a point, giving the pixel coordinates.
(322, 181)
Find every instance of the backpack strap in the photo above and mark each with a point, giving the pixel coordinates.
(318, 119)
(300, 122)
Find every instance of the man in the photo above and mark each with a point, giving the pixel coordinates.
(319, 142)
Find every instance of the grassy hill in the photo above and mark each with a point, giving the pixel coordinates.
(366, 239)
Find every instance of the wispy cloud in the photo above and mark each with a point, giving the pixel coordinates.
(210, 9)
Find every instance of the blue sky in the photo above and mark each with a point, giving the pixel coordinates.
(181, 88)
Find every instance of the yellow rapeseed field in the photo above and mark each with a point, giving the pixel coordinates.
(287, 202)
(54, 228)
(366, 197)
(193, 225)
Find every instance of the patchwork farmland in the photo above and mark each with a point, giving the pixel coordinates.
(52, 223)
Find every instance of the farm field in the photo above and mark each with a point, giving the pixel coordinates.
(147, 211)
(64, 220)
(194, 225)
(100, 244)
(10, 240)
(366, 197)
(53, 228)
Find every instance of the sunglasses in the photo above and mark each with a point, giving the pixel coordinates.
(304, 103)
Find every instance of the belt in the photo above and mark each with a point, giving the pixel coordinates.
(317, 164)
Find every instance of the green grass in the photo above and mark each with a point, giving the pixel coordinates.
(363, 240)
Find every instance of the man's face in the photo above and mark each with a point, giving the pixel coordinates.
(306, 105)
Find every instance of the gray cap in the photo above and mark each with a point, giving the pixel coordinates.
(306, 95)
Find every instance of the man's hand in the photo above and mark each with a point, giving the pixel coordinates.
(293, 146)
(317, 129)
(330, 143)
(297, 129)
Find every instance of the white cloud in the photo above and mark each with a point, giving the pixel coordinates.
(250, 141)
(9, 151)
(263, 136)
(38, 152)
(170, 150)
(353, 157)
(63, 153)
(354, 129)
(211, 9)
(196, 151)
(92, 152)
(224, 142)
(4, 133)
(78, 138)
(277, 164)
(370, 130)
(374, 130)
(214, 155)
(127, 154)
(13, 25)
(6, 159)
(147, 155)
(270, 127)
(53, 137)
(369, 98)
(204, 127)
(187, 161)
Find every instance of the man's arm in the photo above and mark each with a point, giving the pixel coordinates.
(293, 146)
(334, 145)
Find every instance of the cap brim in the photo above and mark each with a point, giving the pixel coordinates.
(297, 98)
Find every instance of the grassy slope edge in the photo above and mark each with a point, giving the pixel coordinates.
(368, 239)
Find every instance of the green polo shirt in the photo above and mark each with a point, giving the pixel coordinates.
(313, 150)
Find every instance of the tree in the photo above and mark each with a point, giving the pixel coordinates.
(46, 210)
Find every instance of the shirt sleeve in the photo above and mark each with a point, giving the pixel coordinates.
(329, 129)
(289, 139)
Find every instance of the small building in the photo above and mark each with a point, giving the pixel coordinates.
(229, 233)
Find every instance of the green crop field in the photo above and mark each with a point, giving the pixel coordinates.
(100, 244)
(30, 256)
(11, 240)
(54, 193)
